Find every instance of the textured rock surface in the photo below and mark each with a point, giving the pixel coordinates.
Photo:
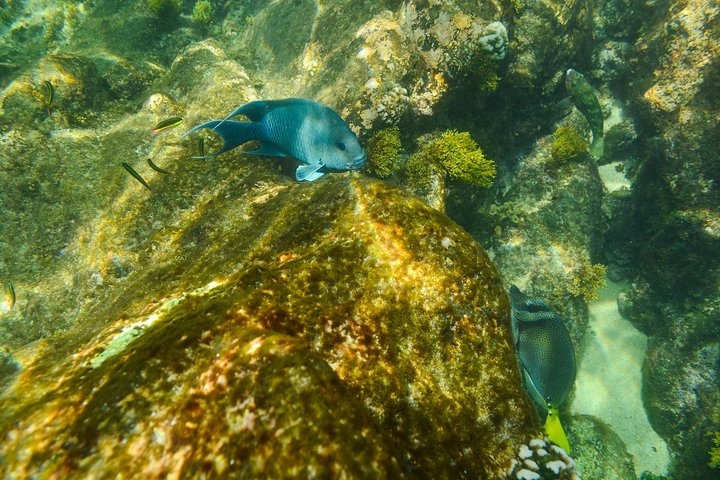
(546, 229)
(341, 320)
(676, 227)
(598, 451)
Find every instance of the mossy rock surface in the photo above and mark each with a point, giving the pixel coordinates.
(339, 328)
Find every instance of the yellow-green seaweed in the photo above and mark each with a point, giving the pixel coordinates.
(203, 13)
(587, 280)
(460, 157)
(567, 145)
(384, 152)
(715, 452)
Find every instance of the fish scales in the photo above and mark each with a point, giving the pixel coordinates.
(546, 356)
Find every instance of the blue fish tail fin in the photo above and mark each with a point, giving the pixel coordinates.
(233, 134)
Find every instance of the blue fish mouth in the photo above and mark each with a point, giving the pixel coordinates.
(359, 161)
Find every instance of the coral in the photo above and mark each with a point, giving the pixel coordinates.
(460, 157)
(383, 150)
(567, 145)
(166, 12)
(715, 452)
(203, 13)
(495, 40)
(587, 279)
(539, 460)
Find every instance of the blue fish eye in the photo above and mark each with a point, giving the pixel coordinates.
(341, 146)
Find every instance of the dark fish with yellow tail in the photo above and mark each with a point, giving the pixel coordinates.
(547, 358)
(135, 175)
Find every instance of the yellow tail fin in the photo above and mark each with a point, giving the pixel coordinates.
(555, 431)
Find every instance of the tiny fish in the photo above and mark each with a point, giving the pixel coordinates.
(8, 299)
(49, 96)
(135, 174)
(201, 146)
(304, 129)
(156, 168)
(166, 124)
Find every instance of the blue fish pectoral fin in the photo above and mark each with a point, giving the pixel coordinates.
(555, 431)
(308, 172)
(233, 134)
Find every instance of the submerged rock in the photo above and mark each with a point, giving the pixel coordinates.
(336, 328)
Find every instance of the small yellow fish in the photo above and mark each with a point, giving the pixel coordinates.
(166, 124)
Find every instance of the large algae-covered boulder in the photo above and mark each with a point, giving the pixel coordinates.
(332, 328)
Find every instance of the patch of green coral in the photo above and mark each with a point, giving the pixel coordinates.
(715, 452)
(567, 145)
(587, 280)
(460, 157)
(384, 152)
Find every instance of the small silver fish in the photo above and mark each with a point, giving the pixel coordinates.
(304, 129)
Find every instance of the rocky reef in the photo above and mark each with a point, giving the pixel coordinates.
(206, 326)
(230, 321)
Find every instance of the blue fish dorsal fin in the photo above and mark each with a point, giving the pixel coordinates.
(308, 172)
(254, 111)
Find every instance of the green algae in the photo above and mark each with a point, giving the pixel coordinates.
(384, 150)
(715, 452)
(459, 156)
(567, 144)
(166, 12)
(587, 280)
(203, 13)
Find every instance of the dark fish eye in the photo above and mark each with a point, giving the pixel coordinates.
(341, 146)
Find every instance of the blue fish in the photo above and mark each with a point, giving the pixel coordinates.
(293, 127)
